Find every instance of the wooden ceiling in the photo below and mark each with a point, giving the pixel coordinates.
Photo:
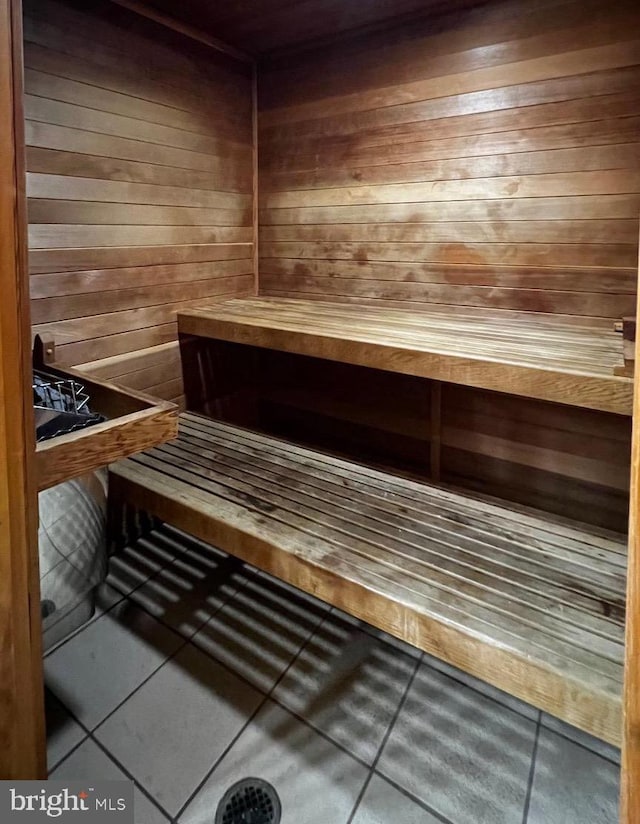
(266, 26)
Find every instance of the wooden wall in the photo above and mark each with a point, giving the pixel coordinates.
(139, 158)
(574, 462)
(265, 26)
(490, 158)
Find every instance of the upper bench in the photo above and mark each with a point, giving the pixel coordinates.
(537, 356)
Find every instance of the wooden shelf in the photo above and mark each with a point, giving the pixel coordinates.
(134, 422)
(532, 603)
(538, 356)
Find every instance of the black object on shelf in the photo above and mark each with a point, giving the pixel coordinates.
(60, 404)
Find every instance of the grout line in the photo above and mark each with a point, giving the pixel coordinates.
(130, 775)
(91, 730)
(320, 732)
(86, 735)
(370, 630)
(360, 796)
(122, 597)
(95, 617)
(399, 709)
(262, 703)
(239, 676)
(250, 575)
(269, 694)
(223, 755)
(185, 641)
(581, 744)
(363, 625)
(160, 619)
(532, 770)
(492, 698)
(414, 798)
(385, 738)
(90, 737)
(301, 718)
(266, 697)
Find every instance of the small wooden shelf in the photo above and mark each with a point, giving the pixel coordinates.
(134, 422)
(537, 356)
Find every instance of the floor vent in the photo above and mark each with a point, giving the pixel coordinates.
(250, 801)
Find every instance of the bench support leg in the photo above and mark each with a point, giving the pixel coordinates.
(126, 524)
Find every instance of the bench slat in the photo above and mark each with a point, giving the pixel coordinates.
(447, 546)
(531, 603)
(490, 512)
(322, 472)
(474, 589)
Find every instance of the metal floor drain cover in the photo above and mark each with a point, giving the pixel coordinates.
(250, 801)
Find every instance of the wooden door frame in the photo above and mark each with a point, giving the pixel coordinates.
(22, 736)
(630, 794)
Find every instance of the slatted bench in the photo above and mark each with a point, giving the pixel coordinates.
(529, 602)
(534, 355)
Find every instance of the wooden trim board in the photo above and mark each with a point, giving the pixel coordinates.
(630, 791)
(188, 31)
(255, 217)
(22, 736)
(134, 422)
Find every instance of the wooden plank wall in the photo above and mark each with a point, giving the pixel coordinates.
(490, 158)
(574, 462)
(486, 160)
(265, 26)
(139, 158)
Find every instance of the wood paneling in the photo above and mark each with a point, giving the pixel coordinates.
(184, 28)
(148, 370)
(490, 158)
(261, 26)
(385, 422)
(140, 184)
(560, 459)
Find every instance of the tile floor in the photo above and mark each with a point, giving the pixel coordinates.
(197, 671)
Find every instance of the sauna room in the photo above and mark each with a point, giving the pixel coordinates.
(319, 473)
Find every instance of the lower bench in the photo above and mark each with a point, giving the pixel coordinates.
(528, 602)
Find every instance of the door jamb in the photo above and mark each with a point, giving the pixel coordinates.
(22, 728)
